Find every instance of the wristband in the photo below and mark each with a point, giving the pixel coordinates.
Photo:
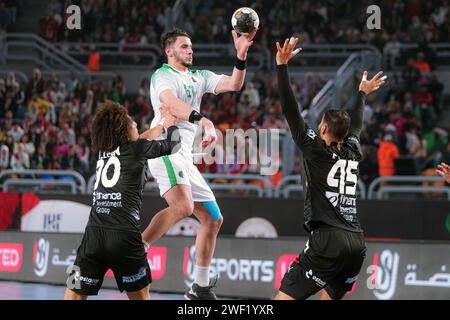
(195, 116)
(240, 64)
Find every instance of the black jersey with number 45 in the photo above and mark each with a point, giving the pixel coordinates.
(329, 174)
(119, 182)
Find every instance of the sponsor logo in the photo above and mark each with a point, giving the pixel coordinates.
(284, 264)
(157, 257)
(256, 228)
(86, 280)
(251, 270)
(351, 280)
(40, 257)
(310, 133)
(135, 277)
(385, 267)
(52, 221)
(333, 197)
(11, 257)
(193, 292)
(56, 216)
(319, 282)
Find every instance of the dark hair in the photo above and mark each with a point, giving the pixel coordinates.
(338, 122)
(109, 127)
(170, 37)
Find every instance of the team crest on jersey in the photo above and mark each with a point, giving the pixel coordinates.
(310, 133)
(181, 174)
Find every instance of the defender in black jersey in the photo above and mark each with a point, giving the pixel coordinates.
(112, 239)
(335, 251)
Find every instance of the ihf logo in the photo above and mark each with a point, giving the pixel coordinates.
(52, 221)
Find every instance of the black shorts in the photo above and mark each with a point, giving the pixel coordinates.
(101, 249)
(331, 260)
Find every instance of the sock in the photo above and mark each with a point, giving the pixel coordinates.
(201, 276)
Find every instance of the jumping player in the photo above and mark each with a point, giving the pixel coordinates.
(335, 251)
(112, 239)
(180, 89)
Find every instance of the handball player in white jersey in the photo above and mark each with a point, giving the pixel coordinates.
(179, 88)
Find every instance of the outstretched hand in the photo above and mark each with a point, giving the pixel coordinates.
(243, 43)
(368, 86)
(444, 171)
(169, 119)
(287, 52)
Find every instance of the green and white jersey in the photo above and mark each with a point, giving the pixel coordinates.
(188, 86)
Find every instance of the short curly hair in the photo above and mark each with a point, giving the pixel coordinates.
(109, 127)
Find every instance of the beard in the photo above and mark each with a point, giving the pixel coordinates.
(181, 61)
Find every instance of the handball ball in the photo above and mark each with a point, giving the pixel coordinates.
(245, 20)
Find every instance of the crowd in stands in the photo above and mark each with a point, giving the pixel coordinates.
(44, 123)
(400, 135)
(8, 14)
(314, 21)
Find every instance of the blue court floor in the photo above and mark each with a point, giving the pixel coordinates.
(37, 291)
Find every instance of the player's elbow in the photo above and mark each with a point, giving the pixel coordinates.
(236, 86)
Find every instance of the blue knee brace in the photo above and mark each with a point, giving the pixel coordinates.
(213, 209)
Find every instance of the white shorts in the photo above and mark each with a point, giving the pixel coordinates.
(177, 168)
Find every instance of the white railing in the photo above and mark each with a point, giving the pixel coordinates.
(25, 175)
(41, 185)
(406, 180)
(287, 185)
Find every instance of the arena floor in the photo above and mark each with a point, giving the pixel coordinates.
(38, 291)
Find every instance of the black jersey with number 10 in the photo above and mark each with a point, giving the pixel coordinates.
(119, 182)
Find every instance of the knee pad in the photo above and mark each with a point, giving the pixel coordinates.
(213, 209)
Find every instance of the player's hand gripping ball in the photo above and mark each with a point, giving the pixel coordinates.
(245, 20)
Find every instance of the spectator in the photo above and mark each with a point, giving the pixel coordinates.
(28, 146)
(70, 160)
(4, 157)
(20, 159)
(387, 152)
(82, 150)
(94, 60)
(36, 84)
(421, 64)
(16, 132)
(2, 97)
(67, 134)
(5, 19)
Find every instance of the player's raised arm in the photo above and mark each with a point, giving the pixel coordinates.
(236, 80)
(181, 110)
(288, 103)
(365, 87)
